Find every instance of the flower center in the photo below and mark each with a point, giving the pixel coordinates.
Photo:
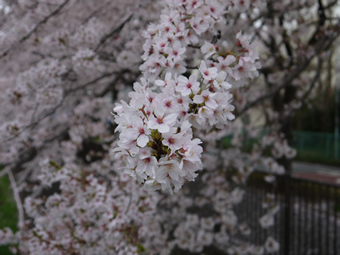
(141, 131)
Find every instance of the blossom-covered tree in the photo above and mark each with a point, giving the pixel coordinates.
(87, 182)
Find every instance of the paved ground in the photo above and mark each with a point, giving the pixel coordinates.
(316, 172)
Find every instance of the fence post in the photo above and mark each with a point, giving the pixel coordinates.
(328, 145)
(287, 212)
(337, 123)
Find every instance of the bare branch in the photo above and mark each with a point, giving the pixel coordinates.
(16, 197)
(95, 12)
(194, 46)
(90, 82)
(104, 39)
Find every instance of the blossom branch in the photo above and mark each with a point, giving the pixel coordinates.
(28, 35)
(322, 45)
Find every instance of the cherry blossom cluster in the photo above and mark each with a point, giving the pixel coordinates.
(86, 216)
(57, 135)
(60, 63)
(213, 216)
(156, 137)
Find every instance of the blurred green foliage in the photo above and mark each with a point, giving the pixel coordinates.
(8, 210)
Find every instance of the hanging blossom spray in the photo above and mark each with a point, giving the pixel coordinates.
(156, 138)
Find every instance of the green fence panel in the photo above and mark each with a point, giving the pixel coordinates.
(317, 144)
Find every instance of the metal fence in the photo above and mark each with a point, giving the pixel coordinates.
(309, 218)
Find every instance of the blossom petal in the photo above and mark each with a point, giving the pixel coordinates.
(142, 140)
